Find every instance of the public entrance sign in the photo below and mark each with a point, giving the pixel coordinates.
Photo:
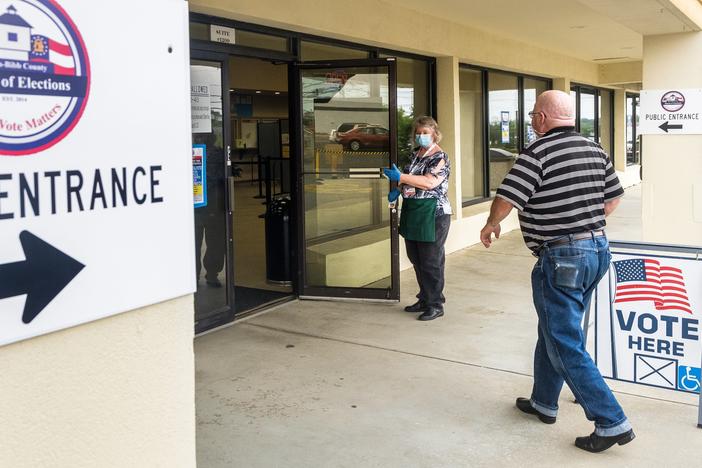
(96, 173)
(670, 112)
(648, 310)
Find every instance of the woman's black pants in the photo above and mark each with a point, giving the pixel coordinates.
(428, 259)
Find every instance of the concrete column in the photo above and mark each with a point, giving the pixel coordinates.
(672, 164)
(449, 119)
(562, 84)
(619, 143)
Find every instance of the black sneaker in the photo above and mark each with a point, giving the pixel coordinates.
(524, 405)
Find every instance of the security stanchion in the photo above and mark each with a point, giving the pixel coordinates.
(260, 181)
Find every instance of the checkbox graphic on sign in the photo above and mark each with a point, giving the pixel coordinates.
(657, 371)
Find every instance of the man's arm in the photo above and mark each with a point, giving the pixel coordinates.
(498, 211)
(611, 205)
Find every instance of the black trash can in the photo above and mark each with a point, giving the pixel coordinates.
(278, 240)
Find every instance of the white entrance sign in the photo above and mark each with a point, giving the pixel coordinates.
(670, 112)
(222, 34)
(648, 310)
(96, 175)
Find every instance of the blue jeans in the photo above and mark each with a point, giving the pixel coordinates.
(563, 281)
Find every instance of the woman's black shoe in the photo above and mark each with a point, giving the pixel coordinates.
(524, 405)
(431, 313)
(594, 443)
(418, 306)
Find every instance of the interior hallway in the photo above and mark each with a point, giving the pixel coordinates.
(333, 384)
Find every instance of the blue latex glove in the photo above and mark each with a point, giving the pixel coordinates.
(393, 173)
(393, 195)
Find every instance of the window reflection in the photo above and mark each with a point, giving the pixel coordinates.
(412, 102)
(532, 89)
(605, 121)
(346, 126)
(472, 164)
(587, 114)
(503, 106)
(632, 123)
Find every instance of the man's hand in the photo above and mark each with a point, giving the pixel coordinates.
(393, 173)
(486, 233)
(498, 211)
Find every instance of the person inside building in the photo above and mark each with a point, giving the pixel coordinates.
(564, 186)
(426, 215)
(209, 220)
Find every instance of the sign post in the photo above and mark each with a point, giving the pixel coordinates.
(96, 167)
(671, 112)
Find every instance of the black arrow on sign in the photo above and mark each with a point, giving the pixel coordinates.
(41, 276)
(667, 125)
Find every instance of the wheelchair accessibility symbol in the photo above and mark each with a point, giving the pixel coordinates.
(689, 378)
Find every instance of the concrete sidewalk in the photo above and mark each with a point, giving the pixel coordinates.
(330, 384)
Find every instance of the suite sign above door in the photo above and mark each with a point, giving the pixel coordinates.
(222, 34)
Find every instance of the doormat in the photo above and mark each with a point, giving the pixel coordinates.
(251, 298)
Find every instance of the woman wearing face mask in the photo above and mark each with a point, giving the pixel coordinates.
(426, 215)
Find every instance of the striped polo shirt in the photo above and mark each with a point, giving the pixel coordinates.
(559, 184)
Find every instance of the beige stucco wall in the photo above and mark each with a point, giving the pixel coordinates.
(672, 164)
(435, 38)
(118, 392)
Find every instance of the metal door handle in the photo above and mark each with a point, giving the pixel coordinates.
(230, 187)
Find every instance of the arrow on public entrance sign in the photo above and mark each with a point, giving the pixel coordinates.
(41, 276)
(667, 125)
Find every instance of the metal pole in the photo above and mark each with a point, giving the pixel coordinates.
(260, 181)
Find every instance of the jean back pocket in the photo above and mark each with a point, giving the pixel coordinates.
(568, 272)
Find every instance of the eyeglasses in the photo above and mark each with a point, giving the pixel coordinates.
(533, 113)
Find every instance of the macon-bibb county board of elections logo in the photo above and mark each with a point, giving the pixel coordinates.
(672, 101)
(44, 75)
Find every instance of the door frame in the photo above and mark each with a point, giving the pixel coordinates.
(225, 315)
(296, 118)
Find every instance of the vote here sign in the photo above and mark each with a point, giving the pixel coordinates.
(647, 321)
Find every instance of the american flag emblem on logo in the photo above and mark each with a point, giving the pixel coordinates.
(649, 280)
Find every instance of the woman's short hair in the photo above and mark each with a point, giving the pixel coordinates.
(426, 121)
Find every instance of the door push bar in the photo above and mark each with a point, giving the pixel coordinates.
(365, 172)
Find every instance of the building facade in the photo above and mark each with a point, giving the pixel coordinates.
(297, 104)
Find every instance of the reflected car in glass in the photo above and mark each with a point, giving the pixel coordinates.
(368, 137)
(501, 155)
(345, 127)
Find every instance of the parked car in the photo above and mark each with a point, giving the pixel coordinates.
(499, 154)
(345, 127)
(371, 136)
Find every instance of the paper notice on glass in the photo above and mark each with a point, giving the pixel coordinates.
(200, 109)
(199, 175)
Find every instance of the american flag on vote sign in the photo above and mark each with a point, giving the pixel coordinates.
(648, 280)
(47, 50)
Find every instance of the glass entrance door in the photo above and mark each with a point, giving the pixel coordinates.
(210, 136)
(347, 133)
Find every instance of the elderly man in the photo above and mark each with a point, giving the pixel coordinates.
(564, 186)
